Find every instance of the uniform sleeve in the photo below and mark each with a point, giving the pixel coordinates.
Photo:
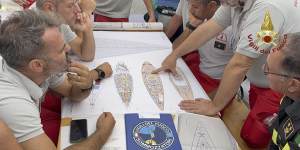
(68, 34)
(248, 42)
(223, 16)
(179, 8)
(22, 117)
(56, 80)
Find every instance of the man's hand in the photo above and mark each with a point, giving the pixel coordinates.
(169, 64)
(106, 68)
(199, 106)
(152, 18)
(83, 22)
(87, 6)
(105, 125)
(83, 79)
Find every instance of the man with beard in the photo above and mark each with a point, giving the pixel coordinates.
(70, 13)
(255, 25)
(84, 46)
(34, 59)
(209, 61)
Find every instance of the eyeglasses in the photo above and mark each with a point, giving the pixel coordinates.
(267, 72)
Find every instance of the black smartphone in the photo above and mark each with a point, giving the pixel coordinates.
(78, 131)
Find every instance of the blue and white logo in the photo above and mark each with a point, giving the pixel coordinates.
(153, 135)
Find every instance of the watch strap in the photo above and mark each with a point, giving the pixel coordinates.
(190, 26)
(101, 73)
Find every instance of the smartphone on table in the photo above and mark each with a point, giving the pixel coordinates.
(78, 131)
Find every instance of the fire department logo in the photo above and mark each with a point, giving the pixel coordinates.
(266, 38)
(153, 135)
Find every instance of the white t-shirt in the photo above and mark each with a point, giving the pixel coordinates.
(113, 8)
(247, 22)
(214, 54)
(65, 29)
(67, 32)
(183, 11)
(20, 102)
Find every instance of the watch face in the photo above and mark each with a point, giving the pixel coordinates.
(101, 73)
(189, 26)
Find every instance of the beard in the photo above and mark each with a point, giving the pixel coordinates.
(54, 68)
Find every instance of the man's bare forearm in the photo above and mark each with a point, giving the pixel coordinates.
(93, 142)
(173, 25)
(88, 45)
(200, 36)
(233, 76)
(181, 38)
(149, 7)
(78, 94)
(7, 139)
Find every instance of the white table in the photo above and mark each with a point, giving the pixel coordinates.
(107, 98)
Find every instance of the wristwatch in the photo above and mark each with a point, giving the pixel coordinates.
(101, 73)
(189, 26)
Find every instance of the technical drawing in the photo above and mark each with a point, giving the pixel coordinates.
(123, 82)
(181, 84)
(202, 140)
(153, 84)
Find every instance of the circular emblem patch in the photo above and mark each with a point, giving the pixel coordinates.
(153, 135)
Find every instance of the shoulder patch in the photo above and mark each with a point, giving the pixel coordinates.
(219, 45)
(288, 128)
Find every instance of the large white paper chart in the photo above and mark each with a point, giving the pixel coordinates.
(105, 97)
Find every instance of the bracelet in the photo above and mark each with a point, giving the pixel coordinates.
(190, 26)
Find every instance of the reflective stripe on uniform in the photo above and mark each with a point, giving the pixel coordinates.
(282, 100)
(286, 147)
(274, 136)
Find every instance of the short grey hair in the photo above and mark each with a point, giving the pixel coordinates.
(21, 37)
(291, 61)
(40, 3)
